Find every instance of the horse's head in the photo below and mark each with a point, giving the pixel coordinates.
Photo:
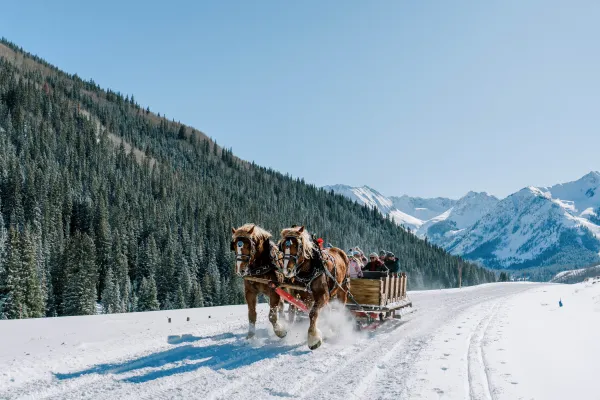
(247, 242)
(296, 246)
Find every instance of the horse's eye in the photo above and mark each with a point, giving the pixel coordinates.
(240, 244)
(288, 243)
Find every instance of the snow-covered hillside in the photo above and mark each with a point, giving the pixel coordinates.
(364, 195)
(422, 208)
(576, 275)
(501, 341)
(536, 226)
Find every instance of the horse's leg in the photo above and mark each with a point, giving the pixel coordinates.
(274, 300)
(281, 309)
(321, 298)
(251, 295)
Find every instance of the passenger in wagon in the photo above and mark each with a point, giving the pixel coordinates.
(392, 263)
(374, 264)
(355, 265)
(361, 255)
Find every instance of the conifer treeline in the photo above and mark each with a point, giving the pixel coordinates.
(87, 225)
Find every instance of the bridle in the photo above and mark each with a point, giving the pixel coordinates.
(239, 257)
(250, 260)
(287, 243)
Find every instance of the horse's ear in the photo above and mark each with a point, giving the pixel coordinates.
(301, 229)
(232, 230)
(251, 229)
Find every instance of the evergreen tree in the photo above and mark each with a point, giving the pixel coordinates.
(80, 289)
(13, 286)
(197, 296)
(30, 280)
(148, 296)
(111, 297)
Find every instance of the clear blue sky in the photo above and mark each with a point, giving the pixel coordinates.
(429, 98)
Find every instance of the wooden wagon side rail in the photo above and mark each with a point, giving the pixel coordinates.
(392, 289)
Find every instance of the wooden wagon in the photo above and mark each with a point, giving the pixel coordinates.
(376, 300)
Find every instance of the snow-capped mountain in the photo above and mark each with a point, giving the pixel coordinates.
(536, 226)
(372, 198)
(423, 209)
(463, 214)
(364, 195)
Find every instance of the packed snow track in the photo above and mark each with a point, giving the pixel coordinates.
(453, 344)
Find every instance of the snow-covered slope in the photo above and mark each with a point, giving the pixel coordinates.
(421, 208)
(576, 275)
(490, 341)
(364, 195)
(465, 213)
(372, 198)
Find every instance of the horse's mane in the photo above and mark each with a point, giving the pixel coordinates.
(308, 246)
(258, 234)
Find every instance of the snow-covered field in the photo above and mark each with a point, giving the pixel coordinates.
(496, 341)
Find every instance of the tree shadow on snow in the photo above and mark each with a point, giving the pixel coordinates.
(187, 358)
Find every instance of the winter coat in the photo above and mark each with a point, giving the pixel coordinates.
(393, 265)
(355, 268)
(376, 265)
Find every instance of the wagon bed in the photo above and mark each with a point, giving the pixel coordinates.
(376, 300)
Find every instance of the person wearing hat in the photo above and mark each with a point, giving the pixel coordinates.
(382, 255)
(374, 264)
(361, 255)
(392, 263)
(355, 265)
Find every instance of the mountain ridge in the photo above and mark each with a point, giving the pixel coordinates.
(552, 225)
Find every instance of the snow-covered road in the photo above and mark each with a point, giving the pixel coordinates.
(456, 344)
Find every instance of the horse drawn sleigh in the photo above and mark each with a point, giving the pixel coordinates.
(297, 271)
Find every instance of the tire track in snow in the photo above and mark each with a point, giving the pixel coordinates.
(378, 358)
(393, 380)
(478, 379)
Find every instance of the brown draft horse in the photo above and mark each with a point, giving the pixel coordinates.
(323, 272)
(258, 256)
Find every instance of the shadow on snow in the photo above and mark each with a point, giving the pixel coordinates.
(187, 358)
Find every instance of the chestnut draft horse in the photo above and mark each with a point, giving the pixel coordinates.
(257, 256)
(323, 272)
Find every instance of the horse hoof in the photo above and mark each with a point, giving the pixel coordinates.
(281, 333)
(250, 335)
(314, 342)
(315, 345)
